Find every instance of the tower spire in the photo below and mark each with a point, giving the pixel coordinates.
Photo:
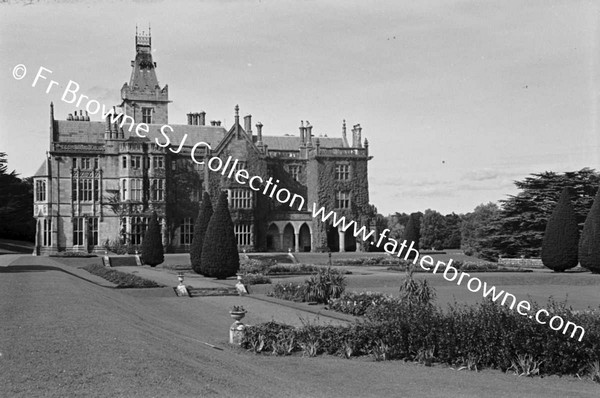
(143, 98)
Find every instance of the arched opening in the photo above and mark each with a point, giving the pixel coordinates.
(288, 238)
(350, 242)
(273, 240)
(304, 238)
(333, 238)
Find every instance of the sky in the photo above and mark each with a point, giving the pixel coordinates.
(458, 99)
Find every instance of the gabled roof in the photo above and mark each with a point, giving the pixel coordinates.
(229, 136)
(42, 171)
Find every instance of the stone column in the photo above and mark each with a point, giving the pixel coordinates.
(342, 239)
(297, 242)
(358, 245)
(281, 248)
(86, 233)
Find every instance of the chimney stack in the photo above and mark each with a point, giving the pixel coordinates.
(202, 118)
(355, 136)
(308, 133)
(259, 127)
(359, 134)
(302, 133)
(189, 116)
(248, 124)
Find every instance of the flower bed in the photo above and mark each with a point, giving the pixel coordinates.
(121, 279)
(357, 303)
(320, 287)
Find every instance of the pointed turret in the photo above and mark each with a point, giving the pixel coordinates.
(143, 99)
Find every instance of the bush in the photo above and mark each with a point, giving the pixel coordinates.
(289, 291)
(320, 287)
(152, 249)
(204, 215)
(220, 258)
(589, 246)
(324, 285)
(256, 266)
(561, 239)
(118, 247)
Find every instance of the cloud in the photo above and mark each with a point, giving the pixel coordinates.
(481, 175)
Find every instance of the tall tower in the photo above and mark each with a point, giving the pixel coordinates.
(143, 99)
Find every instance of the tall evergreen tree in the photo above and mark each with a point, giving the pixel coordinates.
(519, 228)
(16, 204)
(411, 232)
(152, 248)
(561, 239)
(589, 245)
(220, 257)
(204, 215)
(433, 229)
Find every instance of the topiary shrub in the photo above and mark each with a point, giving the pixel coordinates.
(561, 239)
(152, 248)
(220, 257)
(412, 232)
(589, 245)
(204, 215)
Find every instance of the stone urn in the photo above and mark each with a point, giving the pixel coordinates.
(237, 315)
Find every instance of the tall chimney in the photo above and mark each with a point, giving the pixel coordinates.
(359, 134)
(308, 133)
(259, 132)
(354, 136)
(302, 133)
(189, 116)
(202, 118)
(248, 124)
(344, 137)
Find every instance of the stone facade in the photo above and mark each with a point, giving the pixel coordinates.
(101, 180)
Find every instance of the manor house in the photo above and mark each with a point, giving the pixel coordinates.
(100, 181)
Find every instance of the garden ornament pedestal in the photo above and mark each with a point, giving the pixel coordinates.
(236, 331)
(181, 290)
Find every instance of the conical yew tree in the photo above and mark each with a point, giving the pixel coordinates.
(220, 257)
(589, 245)
(559, 246)
(412, 232)
(204, 215)
(152, 248)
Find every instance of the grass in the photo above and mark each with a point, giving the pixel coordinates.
(121, 279)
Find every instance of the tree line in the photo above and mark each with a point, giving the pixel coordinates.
(514, 227)
(16, 204)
